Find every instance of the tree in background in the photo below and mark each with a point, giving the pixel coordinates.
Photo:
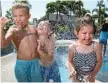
(100, 12)
(55, 7)
(65, 8)
(69, 8)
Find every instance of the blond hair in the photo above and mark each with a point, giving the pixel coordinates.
(46, 22)
(84, 21)
(19, 5)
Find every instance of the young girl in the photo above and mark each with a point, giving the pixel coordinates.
(49, 68)
(84, 60)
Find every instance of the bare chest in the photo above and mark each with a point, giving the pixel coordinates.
(25, 39)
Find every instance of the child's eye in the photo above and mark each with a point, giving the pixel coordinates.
(83, 33)
(21, 15)
(40, 29)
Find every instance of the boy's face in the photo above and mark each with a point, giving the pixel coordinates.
(20, 17)
(85, 34)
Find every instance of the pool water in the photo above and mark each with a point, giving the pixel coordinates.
(61, 55)
(105, 64)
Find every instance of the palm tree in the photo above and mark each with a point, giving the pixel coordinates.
(69, 7)
(101, 12)
(56, 7)
(78, 8)
(50, 8)
(100, 4)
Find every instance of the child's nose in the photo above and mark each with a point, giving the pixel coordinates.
(18, 19)
(88, 36)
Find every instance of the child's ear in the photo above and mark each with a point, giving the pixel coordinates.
(76, 33)
(29, 15)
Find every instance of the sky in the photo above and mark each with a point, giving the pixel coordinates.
(39, 6)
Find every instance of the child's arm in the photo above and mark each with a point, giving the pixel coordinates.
(99, 61)
(46, 58)
(5, 38)
(50, 51)
(70, 63)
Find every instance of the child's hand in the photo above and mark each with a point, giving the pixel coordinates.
(40, 45)
(90, 78)
(72, 75)
(3, 21)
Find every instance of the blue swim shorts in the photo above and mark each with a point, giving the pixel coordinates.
(51, 72)
(28, 71)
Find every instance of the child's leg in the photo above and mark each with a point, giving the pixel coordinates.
(104, 51)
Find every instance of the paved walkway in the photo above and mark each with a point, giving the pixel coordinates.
(7, 68)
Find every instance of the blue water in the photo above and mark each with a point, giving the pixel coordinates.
(61, 58)
(105, 64)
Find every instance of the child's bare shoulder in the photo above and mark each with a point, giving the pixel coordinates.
(96, 44)
(71, 46)
(32, 28)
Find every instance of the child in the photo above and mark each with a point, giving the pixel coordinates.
(46, 51)
(84, 60)
(24, 37)
(104, 36)
(45, 43)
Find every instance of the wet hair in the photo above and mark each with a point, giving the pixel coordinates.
(20, 5)
(46, 22)
(84, 21)
(89, 18)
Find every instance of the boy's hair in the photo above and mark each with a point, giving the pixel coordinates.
(83, 21)
(19, 5)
